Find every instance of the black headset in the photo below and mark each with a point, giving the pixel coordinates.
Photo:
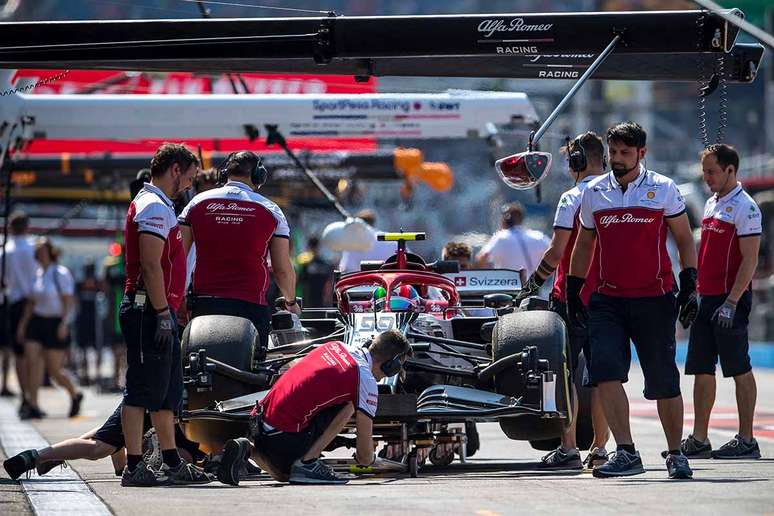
(577, 158)
(258, 175)
(392, 366)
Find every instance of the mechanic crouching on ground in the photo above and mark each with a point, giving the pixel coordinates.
(234, 229)
(586, 161)
(310, 405)
(628, 211)
(728, 255)
(155, 281)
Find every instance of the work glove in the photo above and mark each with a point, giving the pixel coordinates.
(724, 315)
(531, 288)
(165, 331)
(687, 303)
(576, 310)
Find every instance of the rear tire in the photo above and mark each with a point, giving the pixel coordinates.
(546, 331)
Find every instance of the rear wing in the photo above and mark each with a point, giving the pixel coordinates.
(474, 284)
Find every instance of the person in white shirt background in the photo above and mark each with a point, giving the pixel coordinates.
(44, 328)
(20, 270)
(350, 260)
(514, 246)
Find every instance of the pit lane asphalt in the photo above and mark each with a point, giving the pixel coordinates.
(501, 479)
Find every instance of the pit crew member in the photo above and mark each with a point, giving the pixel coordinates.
(586, 160)
(310, 404)
(235, 229)
(628, 211)
(155, 279)
(728, 256)
(459, 251)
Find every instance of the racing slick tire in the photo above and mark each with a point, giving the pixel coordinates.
(546, 331)
(584, 431)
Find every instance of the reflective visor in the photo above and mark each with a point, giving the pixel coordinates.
(524, 170)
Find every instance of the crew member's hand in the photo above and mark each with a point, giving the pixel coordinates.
(576, 310)
(295, 307)
(61, 331)
(165, 330)
(687, 303)
(531, 288)
(724, 315)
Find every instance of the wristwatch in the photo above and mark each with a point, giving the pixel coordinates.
(291, 303)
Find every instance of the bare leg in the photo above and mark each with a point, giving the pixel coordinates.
(119, 362)
(670, 411)
(616, 407)
(598, 421)
(77, 448)
(704, 387)
(21, 374)
(5, 365)
(131, 423)
(334, 429)
(164, 423)
(119, 460)
(54, 364)
(746, 394)
(569, 441)
(33, 356)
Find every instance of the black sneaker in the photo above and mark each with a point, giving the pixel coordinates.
(235, 455)
(250, 470)
(45, 467)
(75, 404)
(620, 464)
(316, 472)
(560, 459)
(36, 413)
(143, 476)
(737, 448)
(25, 410)
(596, 457)
(677, 466)
(693, 448)
(20, 464)
(185, 473)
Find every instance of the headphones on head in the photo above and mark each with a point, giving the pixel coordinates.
(577, 158)
(258, 175)
(392, 366)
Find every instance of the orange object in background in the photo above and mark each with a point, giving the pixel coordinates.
(410, 162)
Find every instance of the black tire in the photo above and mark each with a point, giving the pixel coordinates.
(546, 331)
(584, 431)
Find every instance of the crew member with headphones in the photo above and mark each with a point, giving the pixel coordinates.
(310, 404)
(586, 160)
(235, 229)
(730, 239)
(627, 213)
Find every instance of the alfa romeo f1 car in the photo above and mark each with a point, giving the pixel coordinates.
(477, 358)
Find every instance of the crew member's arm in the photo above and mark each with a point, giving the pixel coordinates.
(551, 258)
(677, 221)
(184, 221)
(284, 274)
(151, 249)
(583, 252)
(748, 247)
(68, 303)
(365, 439)
(681, 232)
(485, 255)
(21, 330)
(185, 230)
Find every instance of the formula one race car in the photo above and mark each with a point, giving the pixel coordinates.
(476, 358)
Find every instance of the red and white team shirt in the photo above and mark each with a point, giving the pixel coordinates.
(726, 220)
(232, 227)
(631, 231)
(331, 375)
(567, 218)
(152, 212)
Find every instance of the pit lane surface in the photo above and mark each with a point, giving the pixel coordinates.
(501, 479)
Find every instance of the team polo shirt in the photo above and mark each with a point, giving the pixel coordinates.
(331, 375)
(726, 220)
(567, 218)
(631, 231)
(232, 227)
(152, 212)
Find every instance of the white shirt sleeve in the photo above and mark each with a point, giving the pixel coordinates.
(65, 279)
(154, 218)
(492, 248)
(674, 204)
(586, 210)
(368, 396)
(565, 212)
(282, 229)
(748, 220)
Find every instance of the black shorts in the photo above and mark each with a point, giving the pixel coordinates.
(578, 337)
(282, 449)
(649, 322)
(43, 330)
(154, 378)
(707, 342)
(259, 315)
(15, 312)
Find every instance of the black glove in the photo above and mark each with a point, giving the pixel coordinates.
(724, 315)
(530, 288)
(576, 310)
(165, 331)
(687, 304)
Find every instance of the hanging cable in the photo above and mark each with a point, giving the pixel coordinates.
(701, 97)
(720, 71)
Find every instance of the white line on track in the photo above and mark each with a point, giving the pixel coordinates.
(61, 491)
